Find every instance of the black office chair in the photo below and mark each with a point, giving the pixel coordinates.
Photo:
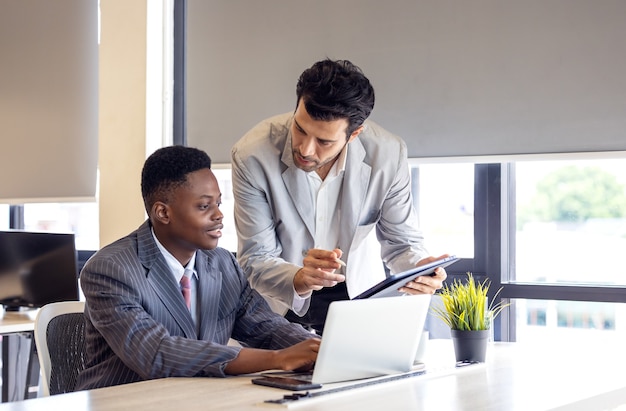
(60, 341)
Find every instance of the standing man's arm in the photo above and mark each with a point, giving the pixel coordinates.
(402, 243)
(259, 248)
(401, 240)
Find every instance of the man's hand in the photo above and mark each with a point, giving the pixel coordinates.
(318, 271)
(426, 284)
(298, 357)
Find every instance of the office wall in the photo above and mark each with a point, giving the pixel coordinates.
(122, 130)
(475, 77)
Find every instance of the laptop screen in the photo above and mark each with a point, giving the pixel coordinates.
(370, 337)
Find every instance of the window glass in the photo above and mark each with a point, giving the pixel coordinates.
(554, 320)
(570, 222)
(446, 208)
(229, 233)
(4, 217)
(78, 218)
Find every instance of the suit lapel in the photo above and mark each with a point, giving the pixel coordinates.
(355, 183)
(162, 281)
(298, 188)
(209, 291)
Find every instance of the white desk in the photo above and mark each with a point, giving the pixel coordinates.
(515, 377)
(17, 321)
(14, 349)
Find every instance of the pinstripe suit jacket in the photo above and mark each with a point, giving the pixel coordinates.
(139, 328)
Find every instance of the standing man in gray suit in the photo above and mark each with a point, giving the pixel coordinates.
(311, 185)
(139, 325)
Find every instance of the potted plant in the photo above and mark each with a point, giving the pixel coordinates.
(465, 310)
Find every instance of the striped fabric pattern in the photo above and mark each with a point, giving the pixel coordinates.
(138, 327)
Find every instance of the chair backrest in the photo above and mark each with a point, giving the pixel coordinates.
(60, 341)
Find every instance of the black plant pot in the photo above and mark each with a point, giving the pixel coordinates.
(470, 345)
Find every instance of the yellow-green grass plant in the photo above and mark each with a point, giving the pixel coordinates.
(465, 305)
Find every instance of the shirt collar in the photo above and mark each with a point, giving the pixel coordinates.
(338, 168)
(176, 268)
(341, 161)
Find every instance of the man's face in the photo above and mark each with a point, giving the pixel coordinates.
(195, 220)
(316, 144)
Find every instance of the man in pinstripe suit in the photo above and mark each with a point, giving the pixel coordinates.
(138, 324)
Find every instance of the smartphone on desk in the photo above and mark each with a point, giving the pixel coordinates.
(286, 383)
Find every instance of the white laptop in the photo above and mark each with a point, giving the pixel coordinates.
(370, 337)
(363, 339)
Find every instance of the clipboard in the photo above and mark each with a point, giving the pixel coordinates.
(389, 286)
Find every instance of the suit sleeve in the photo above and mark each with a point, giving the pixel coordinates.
(402, 243)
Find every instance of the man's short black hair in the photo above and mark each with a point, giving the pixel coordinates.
(333, 90)
(166, 169)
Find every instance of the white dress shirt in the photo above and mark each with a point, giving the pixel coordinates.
(178, 270)
(327, 213)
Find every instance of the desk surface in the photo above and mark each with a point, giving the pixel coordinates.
(17, 321)
(514, 377)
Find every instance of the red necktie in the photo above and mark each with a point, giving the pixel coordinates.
(185, 287)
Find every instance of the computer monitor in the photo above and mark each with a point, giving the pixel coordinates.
(37, 268)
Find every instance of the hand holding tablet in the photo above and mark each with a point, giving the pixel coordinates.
(389, 286)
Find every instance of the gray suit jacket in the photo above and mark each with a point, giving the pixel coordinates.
(139, 328)
(275, 212)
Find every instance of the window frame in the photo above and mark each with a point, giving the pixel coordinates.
(494, 226)
(179, 113)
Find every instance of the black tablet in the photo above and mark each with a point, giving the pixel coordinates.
(389, 286)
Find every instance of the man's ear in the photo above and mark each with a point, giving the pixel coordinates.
(356, 133)
(160, 212)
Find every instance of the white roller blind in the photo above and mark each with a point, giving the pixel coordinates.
(453, 78)
(48, 100)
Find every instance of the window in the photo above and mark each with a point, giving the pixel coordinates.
(561, 232)
(570, 218)
(4, 217)
(563, 319)
(224, 179)
(545, 231)
(445, 206)
(78, 218)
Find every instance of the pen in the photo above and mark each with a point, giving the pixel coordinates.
(341, 263)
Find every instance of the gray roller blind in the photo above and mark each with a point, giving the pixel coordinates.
(453, 78)
(48, 100)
